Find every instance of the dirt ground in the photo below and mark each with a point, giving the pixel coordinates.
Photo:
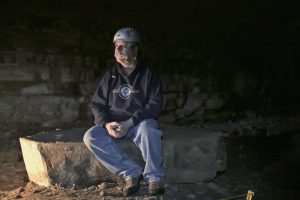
(102, 191)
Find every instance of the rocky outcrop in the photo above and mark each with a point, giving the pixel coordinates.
(60, 157)
(39, 109)
(29, 81)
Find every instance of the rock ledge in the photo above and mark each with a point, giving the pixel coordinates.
(60, 157)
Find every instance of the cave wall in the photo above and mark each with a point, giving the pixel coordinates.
(214, 57)
(46, 89)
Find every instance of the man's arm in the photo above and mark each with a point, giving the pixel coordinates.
(99, 103)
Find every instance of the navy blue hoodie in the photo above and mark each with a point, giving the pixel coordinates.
(120, 96)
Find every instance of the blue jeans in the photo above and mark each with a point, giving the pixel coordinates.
(146, 136)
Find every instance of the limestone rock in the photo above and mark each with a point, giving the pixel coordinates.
(39, 108)
(36, 89)
(23, 72)
(193, 155)
(88, 88)
(60, 157)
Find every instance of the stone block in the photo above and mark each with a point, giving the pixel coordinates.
(36, 89)
(66, 74)
(23, 72)
(88, 89)
(190, 156)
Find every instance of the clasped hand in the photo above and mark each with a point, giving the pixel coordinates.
(117, 130)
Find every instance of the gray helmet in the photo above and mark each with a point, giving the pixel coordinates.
(127, 34)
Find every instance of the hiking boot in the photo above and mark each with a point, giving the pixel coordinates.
(156, 188)
(132, 186)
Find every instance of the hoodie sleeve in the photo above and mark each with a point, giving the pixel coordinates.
(99, 103)
(154, 103)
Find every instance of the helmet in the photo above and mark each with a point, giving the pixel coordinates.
(127, 34)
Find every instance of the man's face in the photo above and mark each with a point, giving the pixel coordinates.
(125, 53)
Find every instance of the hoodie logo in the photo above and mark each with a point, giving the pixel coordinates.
(125, 91)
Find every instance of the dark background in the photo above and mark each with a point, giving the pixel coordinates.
(249, 45)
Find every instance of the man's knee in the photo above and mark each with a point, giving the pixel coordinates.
(148, 123)
(87, 138)
(149, 127)
(92, 134)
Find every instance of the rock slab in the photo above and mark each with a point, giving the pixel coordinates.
(60, 157)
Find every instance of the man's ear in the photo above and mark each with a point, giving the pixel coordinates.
(135, 50)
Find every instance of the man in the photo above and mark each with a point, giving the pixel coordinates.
(125, 106)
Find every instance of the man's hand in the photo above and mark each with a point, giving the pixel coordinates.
(125, 126)
(113, 131)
